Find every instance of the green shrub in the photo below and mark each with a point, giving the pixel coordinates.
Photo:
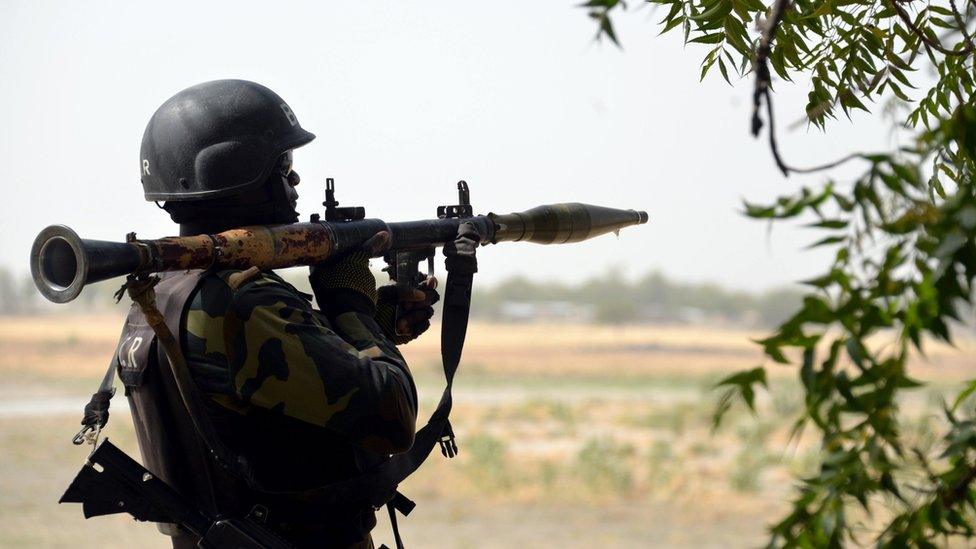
(604, 466)
(660, 457)
(548, 474)
(747, 469)
(487, 462)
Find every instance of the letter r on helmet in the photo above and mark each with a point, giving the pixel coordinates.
(145, 166)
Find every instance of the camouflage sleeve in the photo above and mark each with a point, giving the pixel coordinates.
(358, 326)
(284, 357)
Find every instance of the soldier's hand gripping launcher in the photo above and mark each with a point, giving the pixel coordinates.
(62, 263)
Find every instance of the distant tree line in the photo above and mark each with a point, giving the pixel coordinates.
(612, 298)
(19, 296)
(609, 299)
(16, 293)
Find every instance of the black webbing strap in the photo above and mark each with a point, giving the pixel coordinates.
(393, 526)
(454, 327)
(404, 505)
(96, 411)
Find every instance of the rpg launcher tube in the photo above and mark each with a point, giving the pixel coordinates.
(62, 263)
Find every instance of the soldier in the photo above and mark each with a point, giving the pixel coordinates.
(303, 397)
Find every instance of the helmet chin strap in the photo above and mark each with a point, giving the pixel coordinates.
(265, 206)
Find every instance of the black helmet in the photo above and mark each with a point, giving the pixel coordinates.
(216, 139)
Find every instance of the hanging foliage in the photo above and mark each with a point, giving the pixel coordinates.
(903, 236)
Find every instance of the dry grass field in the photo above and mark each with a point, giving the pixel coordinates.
(570, 436)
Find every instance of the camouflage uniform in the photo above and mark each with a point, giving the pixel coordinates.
(298, 398)
(264, 346)
(307, 400)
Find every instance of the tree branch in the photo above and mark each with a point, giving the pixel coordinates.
(962, 25)
(934, 44)
(958, 490)
(761, 92)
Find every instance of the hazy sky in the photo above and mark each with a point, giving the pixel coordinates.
(406, 98)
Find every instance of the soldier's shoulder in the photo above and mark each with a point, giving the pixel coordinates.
(218, 290)
(212, 296)
(235, 279)
(251, 279)
(236, 293)
(250, 288)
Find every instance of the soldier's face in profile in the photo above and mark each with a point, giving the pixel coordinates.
(289, 178)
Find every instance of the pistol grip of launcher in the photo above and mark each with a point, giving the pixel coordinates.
(406, 274)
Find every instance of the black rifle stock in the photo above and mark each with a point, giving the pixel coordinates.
(112, 482)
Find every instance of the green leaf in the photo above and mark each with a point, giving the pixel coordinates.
(723, 70)
(714, 38)
(723, 406)
(745, 377)
(705, 66)
(825, 8)
(821, 281)
(906, 173)
(755, 210)
(742, 383)
(673, 23)
(898, 92)
(829, 224)
(675, 10)
(606, 27)
(826, 241)
(718, 11)
(736, 34)
(897, 61)
(905, 382)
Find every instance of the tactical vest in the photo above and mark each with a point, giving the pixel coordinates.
(282, 453)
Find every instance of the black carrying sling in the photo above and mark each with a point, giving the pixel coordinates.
(379, 484)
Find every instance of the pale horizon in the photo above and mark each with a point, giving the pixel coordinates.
(406, 99)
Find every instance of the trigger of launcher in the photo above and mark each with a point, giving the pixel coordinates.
(404, 269)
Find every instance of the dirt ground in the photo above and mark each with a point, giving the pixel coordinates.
(570, 436)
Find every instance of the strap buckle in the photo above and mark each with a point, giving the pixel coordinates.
(89, 434)
(448, 442)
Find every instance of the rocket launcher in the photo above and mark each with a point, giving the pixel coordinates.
(62, 263)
